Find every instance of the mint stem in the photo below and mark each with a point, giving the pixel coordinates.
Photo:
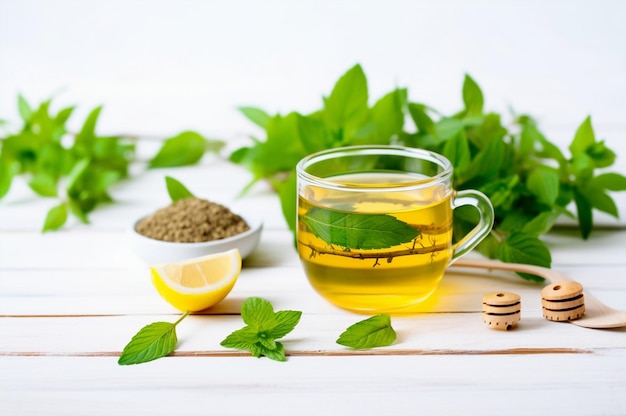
(186, 314)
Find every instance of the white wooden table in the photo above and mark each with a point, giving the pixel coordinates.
(70, 301)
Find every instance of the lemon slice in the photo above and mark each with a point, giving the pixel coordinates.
(198, 283)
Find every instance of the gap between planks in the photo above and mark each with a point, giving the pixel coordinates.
(318, 353)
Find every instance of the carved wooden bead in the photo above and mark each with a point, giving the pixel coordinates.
(501, 310)
(563, 301)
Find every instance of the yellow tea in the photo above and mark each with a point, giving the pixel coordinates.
(374, 225)
(381, 250)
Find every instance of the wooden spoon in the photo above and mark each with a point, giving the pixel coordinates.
(597, 314)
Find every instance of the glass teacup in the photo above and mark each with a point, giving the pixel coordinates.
(374, 227)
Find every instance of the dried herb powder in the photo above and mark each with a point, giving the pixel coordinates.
(192, 220)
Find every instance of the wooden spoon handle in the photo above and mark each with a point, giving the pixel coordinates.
(550, 275)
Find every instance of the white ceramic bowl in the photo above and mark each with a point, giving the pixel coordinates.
(153, 251)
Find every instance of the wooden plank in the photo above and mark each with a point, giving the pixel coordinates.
(120, 292)
(110, 250)
(315, 334)
(555, 384)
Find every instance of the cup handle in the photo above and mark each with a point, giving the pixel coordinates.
(486, 217)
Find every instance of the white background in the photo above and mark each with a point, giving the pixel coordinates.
(160, 67)
(163, 66)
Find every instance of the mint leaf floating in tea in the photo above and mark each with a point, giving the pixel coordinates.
(153, 341)
(369, 333)
(358, 231)
(264, 327)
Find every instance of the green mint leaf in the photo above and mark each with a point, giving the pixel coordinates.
(277, 353)
(489, 246)
(601, 201)
(286, 321)
(281, 151)
(153, 341)
(598, 199)
(77, 211)
(531, 138)
(264, 327)
(258, 313)
(486, 165)
(256, 115)
(288, 200)
(541, 224)
(64, 115)
(55, 218)
(314, 134)
(44, 184)
(608, 181)
(520, 247)
(544, 184)
(41, 124)
(240, 156)
(358, 231)
(24, 109)
(184, 149)
(387, 114)
(421, 118)
(77, 171)
(8, 169)
(584, 209)
(369, 333)
(241, 339)
(489, 128)
(447, 128)
(457, 150)
(88, 184)
(601, 155)
(87, 133)
(247, 339)
(501, 192)
(528, 137)
(104, 179)
(472, 96)
(584, 137)
(257, 350)
(283, 141)
(265, 340)
(176, 189)
(348, 100)
(582, 166)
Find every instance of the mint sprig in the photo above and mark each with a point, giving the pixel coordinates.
(370, 333)
(79, 168)
(530, 180)
(153, 341)
(264, 327)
